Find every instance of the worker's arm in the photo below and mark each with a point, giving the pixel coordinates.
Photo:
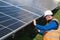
(51, 25)
(40, 31)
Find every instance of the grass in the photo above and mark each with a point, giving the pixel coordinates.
(29, 32)
(57, 15)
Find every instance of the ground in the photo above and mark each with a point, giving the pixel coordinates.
(29, 32)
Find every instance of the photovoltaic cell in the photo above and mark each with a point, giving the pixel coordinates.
(33, 9)
(6, 23)
(1, 15)
(13, 17)
(4, 18)
(5, 31)
(3, 4)
(1, 27)
(16, 25)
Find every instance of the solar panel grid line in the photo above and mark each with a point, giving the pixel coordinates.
(4, 32)
(21, 8)
(2, 16)
(6, 27)
(1, 28)
(12, 14)
(5, 6)
(9, 10)
(22, 15)
(19, 14)
(33, 9)
(12, 23)
(5, 20)
(9, 24)
(28, 17)
(5, 2)
(39, 9)
(12, 17)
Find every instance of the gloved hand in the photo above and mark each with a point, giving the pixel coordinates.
(34, 22)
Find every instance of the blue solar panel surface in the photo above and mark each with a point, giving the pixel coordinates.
(13, 17)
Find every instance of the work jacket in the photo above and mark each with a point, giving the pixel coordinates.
(52, 34)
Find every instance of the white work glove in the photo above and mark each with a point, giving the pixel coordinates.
(38, 30)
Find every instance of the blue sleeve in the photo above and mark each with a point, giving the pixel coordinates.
(51, 25)
(41, 32)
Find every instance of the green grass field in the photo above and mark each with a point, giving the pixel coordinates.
(29, 32)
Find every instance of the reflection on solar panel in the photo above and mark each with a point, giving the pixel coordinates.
(13, 18)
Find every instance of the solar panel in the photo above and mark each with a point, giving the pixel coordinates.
(44, 4)
(14, 18)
